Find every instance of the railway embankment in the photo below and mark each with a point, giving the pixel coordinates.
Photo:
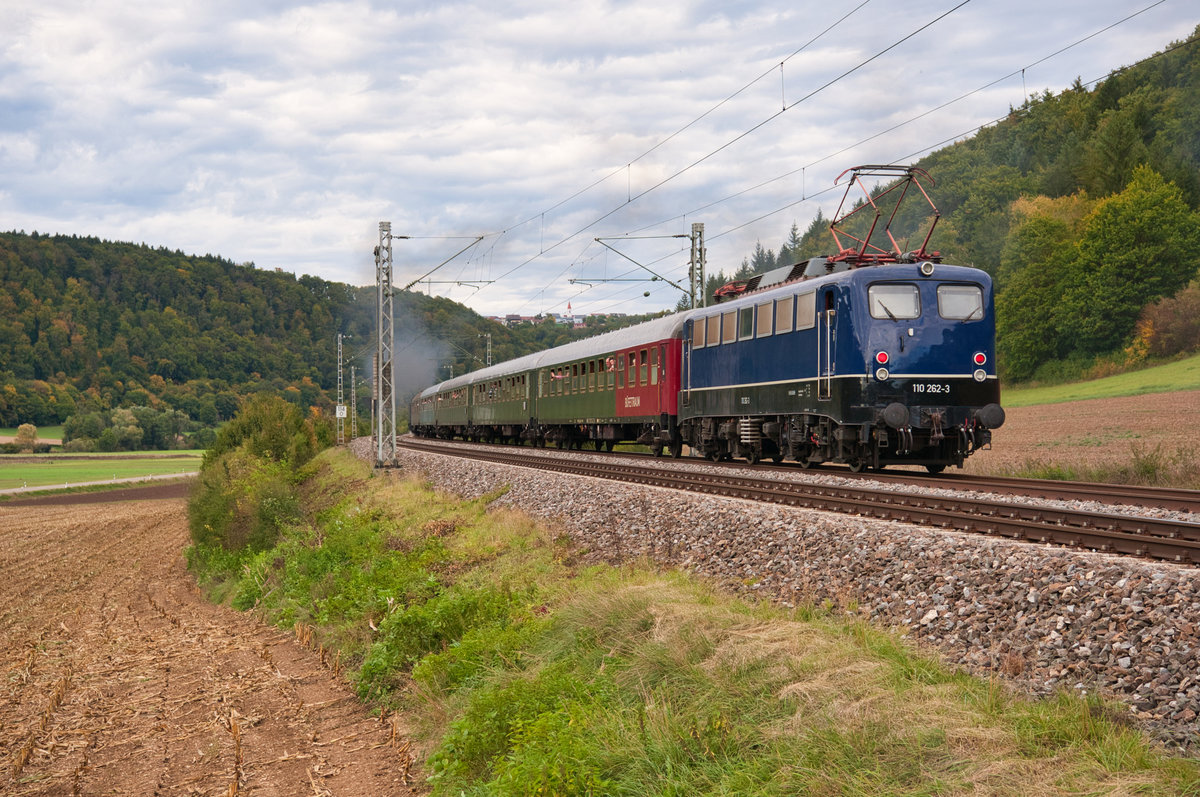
(1047, 619)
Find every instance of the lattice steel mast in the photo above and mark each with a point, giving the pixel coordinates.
(385, 388)
(340, 411)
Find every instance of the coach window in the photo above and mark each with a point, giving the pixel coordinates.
(783, 315)
(806, 310)
(894, 301)
(698, 328)
(654, 366)
(644, 375)
(729, 326)
(960, 302)
(591, 376)
(764, 322)
(621, 371)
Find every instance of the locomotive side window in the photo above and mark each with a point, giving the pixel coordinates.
(783, 315)
(764, 321)
(714, 330)
(745, 323)
(729, 327)
(894, 301)
(806, 310)
(698, 327)
(960, 302)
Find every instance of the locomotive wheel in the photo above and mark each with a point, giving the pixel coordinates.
(609, 445)
(714, 455)
(777, 458)
(677, 449)
(935, 469)
(752, 457)
(857, 465)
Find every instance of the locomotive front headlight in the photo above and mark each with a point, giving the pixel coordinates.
(980, 375)
(881, 374)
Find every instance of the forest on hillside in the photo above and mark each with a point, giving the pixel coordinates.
(1081, 204)
(88, 327)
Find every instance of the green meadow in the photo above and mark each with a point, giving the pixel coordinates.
(1178, 375)
(57, 470)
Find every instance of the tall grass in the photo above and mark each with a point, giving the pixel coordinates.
(528, 671)
(1151, 466)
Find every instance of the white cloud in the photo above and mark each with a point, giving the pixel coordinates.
(281, 133)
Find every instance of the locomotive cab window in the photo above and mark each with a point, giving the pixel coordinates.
(894, 302)
(960, 302)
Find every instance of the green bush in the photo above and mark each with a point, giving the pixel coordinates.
(410, 633)
(242, 502)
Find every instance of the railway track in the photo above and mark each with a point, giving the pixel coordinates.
(1169, 540)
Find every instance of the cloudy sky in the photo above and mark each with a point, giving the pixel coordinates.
(282, 133)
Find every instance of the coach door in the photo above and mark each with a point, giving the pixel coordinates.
(826, 318)
(685, 382)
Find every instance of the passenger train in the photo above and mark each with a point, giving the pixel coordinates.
(866, 359)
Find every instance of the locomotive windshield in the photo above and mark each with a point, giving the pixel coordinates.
(894, 301)
(960, 302)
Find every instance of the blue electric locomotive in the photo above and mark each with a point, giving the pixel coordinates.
(871, 357)
(890, 364)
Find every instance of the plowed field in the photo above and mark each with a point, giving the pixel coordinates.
(120, 678)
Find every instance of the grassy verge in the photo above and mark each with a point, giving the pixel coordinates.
(1149, 466)
(54, 470)
(525, 670)
(1179, 375)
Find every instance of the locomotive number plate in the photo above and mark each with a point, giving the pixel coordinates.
(931, 388)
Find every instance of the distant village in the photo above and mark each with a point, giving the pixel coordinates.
(575, 321)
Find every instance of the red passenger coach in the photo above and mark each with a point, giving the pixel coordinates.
(648, 379)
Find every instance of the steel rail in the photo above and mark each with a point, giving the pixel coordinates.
(1169, 540)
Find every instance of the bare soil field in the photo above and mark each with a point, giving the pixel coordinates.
(120, 678)
(1093, 433)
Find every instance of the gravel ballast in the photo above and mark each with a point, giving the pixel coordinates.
(1047, 618)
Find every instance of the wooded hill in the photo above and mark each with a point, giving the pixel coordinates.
(1081, 204)
(89, 325)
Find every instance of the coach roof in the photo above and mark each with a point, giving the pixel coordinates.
(637, 335)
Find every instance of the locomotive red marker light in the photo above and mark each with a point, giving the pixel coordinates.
(882, 357)
(980, 358)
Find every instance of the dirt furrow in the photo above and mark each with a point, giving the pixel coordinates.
(123, 679)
